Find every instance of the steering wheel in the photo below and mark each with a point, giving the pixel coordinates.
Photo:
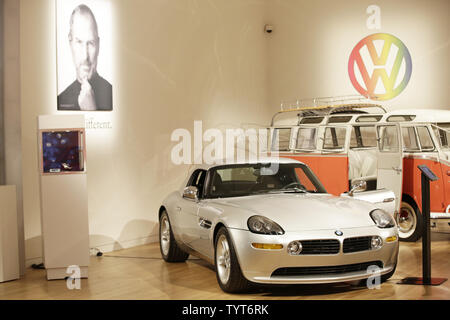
(294, 184)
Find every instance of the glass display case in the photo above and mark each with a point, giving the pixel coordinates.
(62, 151)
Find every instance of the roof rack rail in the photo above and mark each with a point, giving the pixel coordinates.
(327, 105)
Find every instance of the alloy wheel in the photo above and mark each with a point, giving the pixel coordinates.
(223, 260)
(165, 235)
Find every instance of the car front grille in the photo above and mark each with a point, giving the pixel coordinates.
(325, 270)
(357, 244)
(320, 246)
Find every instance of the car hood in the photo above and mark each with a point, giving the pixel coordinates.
(297, 212)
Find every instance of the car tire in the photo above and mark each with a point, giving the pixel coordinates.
(168, 246)
(228, 271)
(387, 276)
(409, 221)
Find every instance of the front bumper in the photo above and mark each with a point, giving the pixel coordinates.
(257, 265)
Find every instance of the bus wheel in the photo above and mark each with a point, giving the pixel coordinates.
(409, 222)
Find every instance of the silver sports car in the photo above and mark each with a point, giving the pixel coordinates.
(273, 222)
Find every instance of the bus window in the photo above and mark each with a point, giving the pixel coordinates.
(281, 139)
(334, 138)
(443, 133)
(425, 139)
(410, 141)
(401, 118)
(306, 139)
(389, 139)
(370, 118)
(312, 120)
(340, 119)
(363, 137)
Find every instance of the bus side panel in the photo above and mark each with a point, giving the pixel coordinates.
(446, 179)
(332, 170)
(412, 184)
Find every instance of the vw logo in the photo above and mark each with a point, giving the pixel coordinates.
(338, 233)
(380, 66)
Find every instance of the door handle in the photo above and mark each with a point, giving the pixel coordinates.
(398, 170)
(448, 173)
(178, 209)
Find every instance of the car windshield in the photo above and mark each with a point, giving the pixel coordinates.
(258, 178)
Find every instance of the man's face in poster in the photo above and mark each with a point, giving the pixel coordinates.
(84, 43)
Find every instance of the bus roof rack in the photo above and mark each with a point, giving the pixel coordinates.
(327, 105)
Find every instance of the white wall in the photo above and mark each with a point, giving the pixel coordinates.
(310, 48)
(177, 61)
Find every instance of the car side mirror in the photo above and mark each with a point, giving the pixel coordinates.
(191, 193)
(358, 186)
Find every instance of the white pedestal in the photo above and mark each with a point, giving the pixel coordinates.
(64, 211)
(9, 242)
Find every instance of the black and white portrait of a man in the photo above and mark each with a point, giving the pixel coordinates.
(88, 90)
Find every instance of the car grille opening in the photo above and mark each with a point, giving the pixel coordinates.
(357, 244)
(320, 246)
(325, 270)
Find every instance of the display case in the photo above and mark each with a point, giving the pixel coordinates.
(62, 151)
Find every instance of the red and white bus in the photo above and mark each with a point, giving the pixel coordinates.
(358, 152)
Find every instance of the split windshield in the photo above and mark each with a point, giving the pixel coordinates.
(251, 179)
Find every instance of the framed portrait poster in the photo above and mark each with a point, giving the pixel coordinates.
(84, 55)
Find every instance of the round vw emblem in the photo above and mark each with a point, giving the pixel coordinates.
(380, 66)
(338, 233)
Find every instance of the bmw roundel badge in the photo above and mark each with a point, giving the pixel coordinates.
(338, 233)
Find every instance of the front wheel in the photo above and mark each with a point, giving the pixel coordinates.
(228, 271)
(170, 250)
(409, 222)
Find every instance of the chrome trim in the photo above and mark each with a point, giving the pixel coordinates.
(204, 223)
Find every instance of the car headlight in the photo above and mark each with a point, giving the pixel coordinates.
(263, 225)
(382, 219)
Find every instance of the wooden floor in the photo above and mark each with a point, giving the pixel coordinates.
(140, 273)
